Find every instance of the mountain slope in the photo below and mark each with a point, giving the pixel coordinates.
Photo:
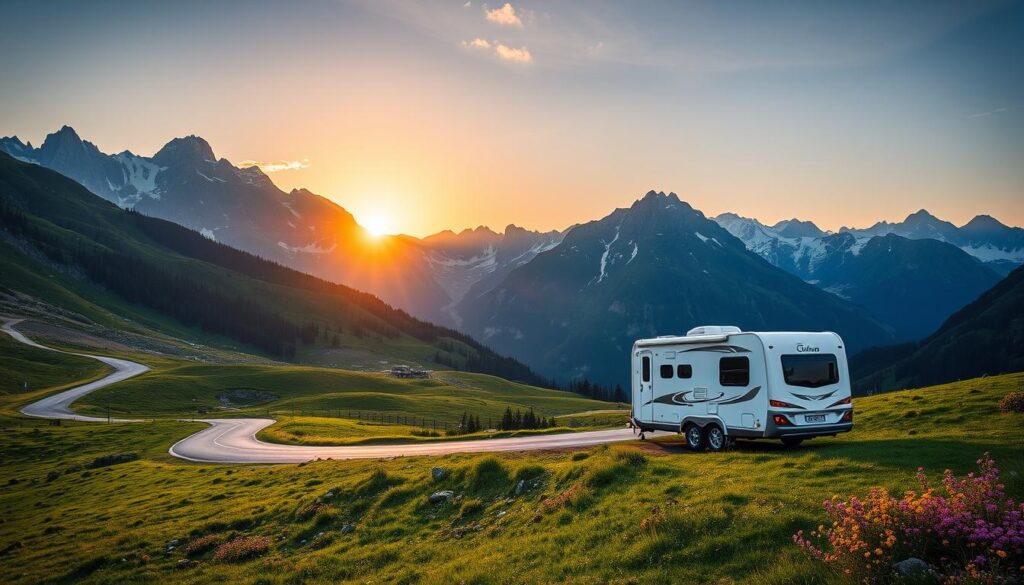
(472, 262)
(658, 267)
(913, 285)
(52, 224)
(186, 183)
(984, 338)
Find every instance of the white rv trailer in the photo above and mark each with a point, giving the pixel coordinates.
(718, 383)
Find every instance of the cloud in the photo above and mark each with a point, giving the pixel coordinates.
(521, 55)
(467, 5)
(477, 43)
(277, 165)
(504, 16)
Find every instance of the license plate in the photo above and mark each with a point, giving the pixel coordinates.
(815, 418)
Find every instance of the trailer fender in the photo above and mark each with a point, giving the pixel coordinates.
(704, 420)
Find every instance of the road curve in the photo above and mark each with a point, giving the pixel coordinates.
(233, 440)
(59, 405)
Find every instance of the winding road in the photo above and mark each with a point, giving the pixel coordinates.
(233, 440)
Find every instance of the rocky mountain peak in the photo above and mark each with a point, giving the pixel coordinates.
(190, 149)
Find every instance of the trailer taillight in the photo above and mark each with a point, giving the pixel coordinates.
(847, 416)
(846, 400)
(781, 404)
(781, 420)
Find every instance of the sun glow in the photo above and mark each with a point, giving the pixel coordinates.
(376, 225)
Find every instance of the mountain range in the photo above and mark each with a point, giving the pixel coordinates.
(186, 183)
(794, 245)
(569, 303)
(912, 283)
(658, 267)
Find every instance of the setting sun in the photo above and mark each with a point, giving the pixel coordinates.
(376, 225)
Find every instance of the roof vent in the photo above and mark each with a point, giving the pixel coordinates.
(712, 330)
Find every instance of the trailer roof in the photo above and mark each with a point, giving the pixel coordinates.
(778, 336)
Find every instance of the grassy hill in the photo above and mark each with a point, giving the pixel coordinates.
(638, 512)
(984, 338)
(64, 246)
(41, 369)
(177, 388)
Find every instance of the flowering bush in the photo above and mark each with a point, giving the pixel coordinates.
(202, 544)
(241, 548)
(1012, 402)
(968, 532)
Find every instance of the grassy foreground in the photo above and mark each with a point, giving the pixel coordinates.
(639, 512)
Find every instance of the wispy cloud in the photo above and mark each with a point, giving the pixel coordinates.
(521, 55)
(477, 43)
(277, 165)
(989, 114)
(504, 16)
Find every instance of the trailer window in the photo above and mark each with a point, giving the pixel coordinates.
(810, 370)
(684, 371)
(734, 371)
(666, 370)
(646, 361)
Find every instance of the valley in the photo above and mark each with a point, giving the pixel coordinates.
(347, 520)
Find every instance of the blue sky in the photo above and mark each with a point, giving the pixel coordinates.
(439, 115)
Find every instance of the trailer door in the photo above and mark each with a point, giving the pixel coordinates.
(645, 388)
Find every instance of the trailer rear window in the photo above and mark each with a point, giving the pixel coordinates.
(646, 367)
(734, 371)
(810, 370)
(666, 370)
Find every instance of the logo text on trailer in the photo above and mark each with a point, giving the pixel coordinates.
(806, 348)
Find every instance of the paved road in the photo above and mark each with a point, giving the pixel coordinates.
(59, 405)
(233, 440)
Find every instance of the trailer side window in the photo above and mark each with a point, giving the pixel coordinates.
(684, 371)
(666, 370)
(734, 371)
(646, 367)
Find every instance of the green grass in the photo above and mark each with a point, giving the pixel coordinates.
(177, 388)
(724, 517)
(339, 431)
(41, 369)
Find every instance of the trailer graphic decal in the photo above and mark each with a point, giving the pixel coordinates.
(811, 397)
(720, 349)
(686, 398)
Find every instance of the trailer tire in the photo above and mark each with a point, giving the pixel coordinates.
(694, 437)
(714, 438)
(792, 441)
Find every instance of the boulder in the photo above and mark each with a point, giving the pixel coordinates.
(347, 528)
(73, 469)
(441, 496)
(521, 487)
(438, 473)
(911, 566)
(52, 475)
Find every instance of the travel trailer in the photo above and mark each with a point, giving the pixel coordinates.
(717, 384)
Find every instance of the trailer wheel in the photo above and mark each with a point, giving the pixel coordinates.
(791, 441)
(694, 437)
(714, 438)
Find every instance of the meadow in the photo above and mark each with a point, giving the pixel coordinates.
(626, 513)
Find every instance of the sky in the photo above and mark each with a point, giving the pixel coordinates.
(418, 117)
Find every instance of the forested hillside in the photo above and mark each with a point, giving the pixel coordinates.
(51, 220)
